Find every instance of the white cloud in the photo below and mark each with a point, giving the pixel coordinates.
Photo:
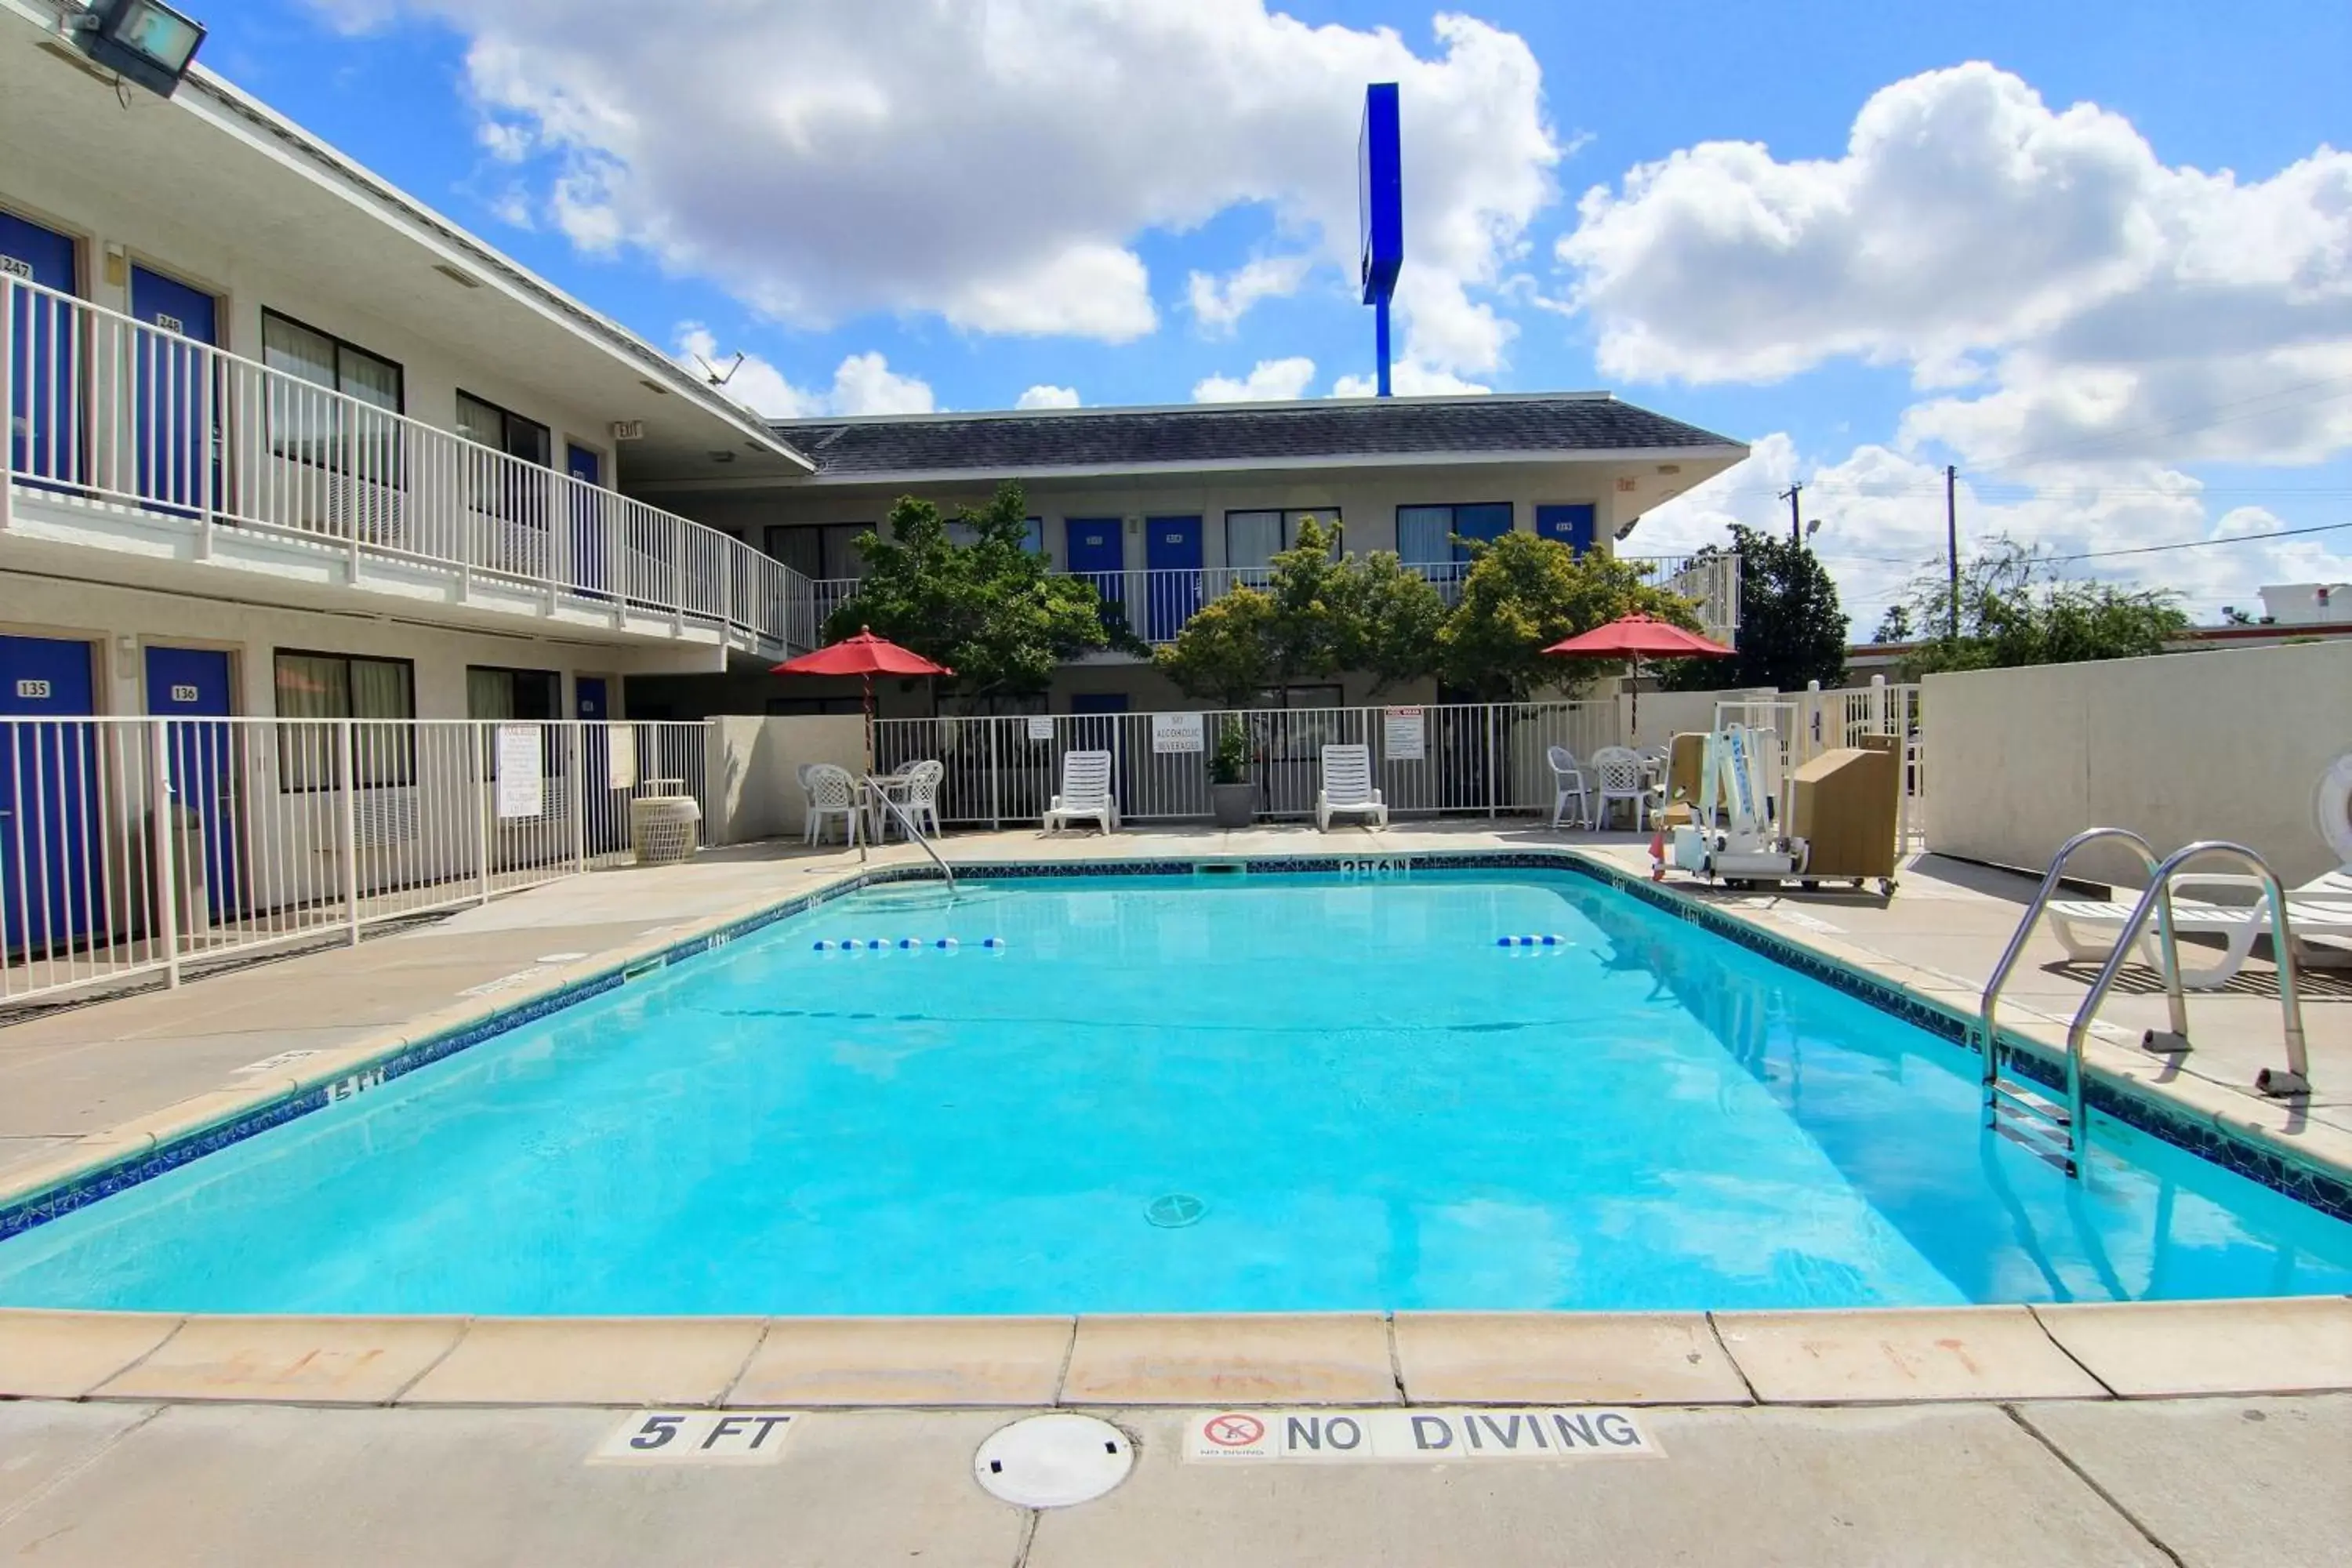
(862, 384)
(996, 162)
(1045, 396)
(2073, 297)
(1882, 515)
(1219, 303)
(1270, 380)
(1409, 378)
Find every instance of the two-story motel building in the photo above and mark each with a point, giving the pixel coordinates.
(285, 441)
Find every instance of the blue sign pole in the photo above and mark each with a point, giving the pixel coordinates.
(1379, 192)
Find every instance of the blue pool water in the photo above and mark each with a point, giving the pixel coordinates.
(1355, 1098)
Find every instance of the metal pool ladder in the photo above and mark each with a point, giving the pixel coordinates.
(913, 832)
(2057, 1132)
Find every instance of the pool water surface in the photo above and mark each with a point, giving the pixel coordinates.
(1258, 1093)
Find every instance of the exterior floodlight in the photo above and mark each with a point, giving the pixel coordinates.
(143, 41)
(1379, 199)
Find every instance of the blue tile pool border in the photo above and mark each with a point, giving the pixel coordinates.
(2324, 1190)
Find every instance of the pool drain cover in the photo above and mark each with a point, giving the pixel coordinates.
(1052, 1461)
(1174, 1211)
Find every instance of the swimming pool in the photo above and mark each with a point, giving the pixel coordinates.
(1186, 1093)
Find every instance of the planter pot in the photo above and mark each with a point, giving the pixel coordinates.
(1235, 805)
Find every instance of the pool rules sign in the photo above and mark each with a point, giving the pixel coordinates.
(1428, 1436)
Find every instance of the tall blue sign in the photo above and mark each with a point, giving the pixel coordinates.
(1380, 206)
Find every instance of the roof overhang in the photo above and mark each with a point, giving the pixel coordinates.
(1726, 454)
(217, 162)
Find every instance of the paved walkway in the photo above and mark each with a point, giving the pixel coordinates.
(2209, 1483)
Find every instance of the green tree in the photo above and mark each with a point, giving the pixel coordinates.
(989, 610)
(1320, 615)
(1225, 653)
(1392, 621)
(2018, 608)
(1894, 625)
(1790, 628)
(1523, 593)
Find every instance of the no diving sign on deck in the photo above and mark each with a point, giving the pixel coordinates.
(1387, 1435)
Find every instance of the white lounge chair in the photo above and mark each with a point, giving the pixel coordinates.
(832, 792)
(1568, 783)
(2087, 928)
(1347, 787)
(1086, 794)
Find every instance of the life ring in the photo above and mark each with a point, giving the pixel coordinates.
(2331, 803)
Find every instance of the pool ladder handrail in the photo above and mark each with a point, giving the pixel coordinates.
(913, 832)
(2296, 1078)
(2154, 900)
(1998, 1096)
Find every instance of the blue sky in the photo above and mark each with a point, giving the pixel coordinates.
(2117, 348)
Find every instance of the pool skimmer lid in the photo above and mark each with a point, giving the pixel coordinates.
(1052, 1461)
(1175, 1211)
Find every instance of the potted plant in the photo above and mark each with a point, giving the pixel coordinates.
(1232, 796)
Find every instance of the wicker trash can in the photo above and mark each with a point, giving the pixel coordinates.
(663, 827)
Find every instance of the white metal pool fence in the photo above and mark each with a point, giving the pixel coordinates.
(135, 844)
(1441, 759)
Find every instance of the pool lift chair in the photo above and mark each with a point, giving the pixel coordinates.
(1737, 835)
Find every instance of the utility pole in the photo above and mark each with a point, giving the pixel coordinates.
(1952, 543)
(1796, 528)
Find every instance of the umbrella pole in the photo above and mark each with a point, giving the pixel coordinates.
(868, 680)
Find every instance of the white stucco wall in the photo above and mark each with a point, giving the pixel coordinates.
(754, 789)
(2226, 744)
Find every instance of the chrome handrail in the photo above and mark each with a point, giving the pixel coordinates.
(1987, 1008)
(913, 832)
(2296, 1079)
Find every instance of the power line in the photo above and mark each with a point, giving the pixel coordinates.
(2198, 544)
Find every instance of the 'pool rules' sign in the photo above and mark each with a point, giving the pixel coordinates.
(1405, 736)
(519, 784)
(1415, 1436)
(1176, 732)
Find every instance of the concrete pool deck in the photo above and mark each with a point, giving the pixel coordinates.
(2055, 1433)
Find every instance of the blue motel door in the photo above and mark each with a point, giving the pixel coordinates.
(1097, 553)
(588, 518)
(52, 820)
(191, 684)
(1571, 525)
(1171, 550)
(173, 388)
(43, 418)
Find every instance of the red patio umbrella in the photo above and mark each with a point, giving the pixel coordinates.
(867, 656)
(1635, 638)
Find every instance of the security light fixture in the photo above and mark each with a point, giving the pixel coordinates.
(142, 41)
(1813, 526)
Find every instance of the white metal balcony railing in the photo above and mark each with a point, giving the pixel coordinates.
(105, 408)
(1157, 603)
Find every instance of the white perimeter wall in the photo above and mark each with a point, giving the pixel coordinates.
(2226, 744)
(754, 789)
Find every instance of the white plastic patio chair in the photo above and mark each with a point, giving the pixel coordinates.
(1087, 794)
(1619, 773)
(808, 803)
(921, 803)
(832, 792)
(1568, 783)
(2087, 928)
(1348, 788)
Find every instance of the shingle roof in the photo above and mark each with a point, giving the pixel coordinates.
(1237, 434)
